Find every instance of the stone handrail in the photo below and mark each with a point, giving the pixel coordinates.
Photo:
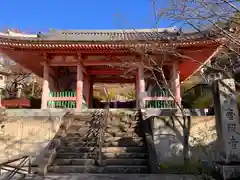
(153, 159)
(50, 152)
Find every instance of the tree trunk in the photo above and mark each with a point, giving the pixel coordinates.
(186, 133)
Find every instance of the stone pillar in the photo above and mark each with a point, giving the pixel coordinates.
(176, 88)
(228, 119)
(141, 87)
(227, 125)
(45, 88)
(79, 90)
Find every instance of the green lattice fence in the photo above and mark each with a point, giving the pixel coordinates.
(159, 92)
(64, 99)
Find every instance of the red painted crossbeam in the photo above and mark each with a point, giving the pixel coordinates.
(105, 72)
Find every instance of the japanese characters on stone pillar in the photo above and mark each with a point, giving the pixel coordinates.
(228, 119)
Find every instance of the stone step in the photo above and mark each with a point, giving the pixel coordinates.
(104, 149)
(92, 115)
(75, 149)
(123, 144)
(77, 139)
(91, 176)
(77, 128)
(78, 144)
(122, 134)
(126, 161)
(107, 162)
(121, 129)
(107, 138)
(79, 134)
(99, 169)
(122, 124)
(106, 144)
(74, 162)
(126, 138)
(105, 155)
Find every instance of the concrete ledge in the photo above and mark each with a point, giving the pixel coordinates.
(61, 112)
(168, 112)
(35, 112)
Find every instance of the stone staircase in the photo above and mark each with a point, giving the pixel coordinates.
(123, 148)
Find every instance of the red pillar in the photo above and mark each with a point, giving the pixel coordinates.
(79, 90)
(87, 89)
(45, 87)
(1, 98)
(137, 90)
(90, 94)
(176, 82)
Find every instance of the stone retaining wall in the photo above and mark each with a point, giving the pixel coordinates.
(168, 139)
(27, 132)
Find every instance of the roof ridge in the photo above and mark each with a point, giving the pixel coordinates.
(172, 29)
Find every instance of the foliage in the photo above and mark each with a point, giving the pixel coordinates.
(100, 95)
(130, 94)
(33, 90)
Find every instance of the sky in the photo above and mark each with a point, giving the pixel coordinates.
(33, 15)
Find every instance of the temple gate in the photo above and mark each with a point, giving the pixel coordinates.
(71, 62)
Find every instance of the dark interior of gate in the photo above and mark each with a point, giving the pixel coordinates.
(106, 79)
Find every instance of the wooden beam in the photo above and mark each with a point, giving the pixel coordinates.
(64, 64)
(106, 72)
(90, 63)
(47, 59)
(113, 80)
(101, 62)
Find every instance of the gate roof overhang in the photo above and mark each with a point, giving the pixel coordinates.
(31, 50)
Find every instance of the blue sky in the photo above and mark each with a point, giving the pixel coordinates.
(33, 15)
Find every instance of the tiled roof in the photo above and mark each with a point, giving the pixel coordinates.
(123, 35)
(112, 35)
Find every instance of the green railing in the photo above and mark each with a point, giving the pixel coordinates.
(160, 104)
(65, 99)
(159, 92)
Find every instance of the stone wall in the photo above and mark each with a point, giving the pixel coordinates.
(22, 133)
(168, 139)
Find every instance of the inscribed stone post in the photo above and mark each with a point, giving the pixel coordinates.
(228, 118)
